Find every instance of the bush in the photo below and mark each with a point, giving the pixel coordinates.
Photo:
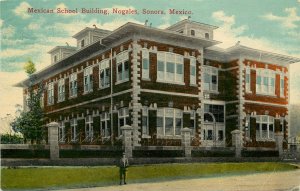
(25, 153)
(158, 153)
(90, 153)
(209, 153)
(11, 139)
(260, 153)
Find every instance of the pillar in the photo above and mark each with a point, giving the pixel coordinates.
(127, 140)
(237, 142)
(279, 141)
(53, 140)
(186, 141)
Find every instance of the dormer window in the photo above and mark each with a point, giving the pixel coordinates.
(192, 32)
(55, 58)
(82, 43)
(206, 35)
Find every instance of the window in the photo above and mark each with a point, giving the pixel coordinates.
(123, 118)
(42, 100)
(50, 93)
(145, 122)
(73, 85)
(192, 32)
(216, 110)
(89, 134)
(145, 64)
(282, 124)
(104, 78)
(73, 124)
(210, 78)
(248, 80)
(193, 122)
(264, 127)
(169, 122)
(170, 67)
(61, 133)
(206, 35)
(105, 121)
(265, 82)
(82, 43)
(193, 70)
(61, 90)
(122, 67)
(281, 86)
(55, 58)
(88, 79)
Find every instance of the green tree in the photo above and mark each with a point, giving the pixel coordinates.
(30, 122)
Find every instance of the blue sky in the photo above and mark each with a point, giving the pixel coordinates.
(262, 24)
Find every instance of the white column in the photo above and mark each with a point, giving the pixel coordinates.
(53, 140)
(279, 141)
(127, 140)
(186, 141)
(237, 142)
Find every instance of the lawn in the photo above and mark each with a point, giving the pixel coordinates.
(71, 177)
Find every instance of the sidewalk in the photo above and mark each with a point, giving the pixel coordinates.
(271, 181)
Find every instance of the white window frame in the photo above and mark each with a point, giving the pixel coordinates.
(210, 71)
(61, 132)
(50, 94)
(193, 117)
(104, 119)
(248, 80)
(74, 125)
(266, 76)
(122, 59)
(61, 90)
(193, 71)
(145, 64)
(123, 114)
(164, 76)
(104, 69)
(42, 100)
(173, 113)
(89, 133)
(282, 86)
(73, 85)
(88, 79)
(145, 122)
(268, 120)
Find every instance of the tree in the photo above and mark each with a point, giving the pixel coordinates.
(29, 122)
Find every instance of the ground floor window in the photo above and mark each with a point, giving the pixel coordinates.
(89, 128)
(264, 127)
(169, 122)
(73, 125)
(145, 122)
(61, 133)
(193, 122)
(123, 118)
(104, 124)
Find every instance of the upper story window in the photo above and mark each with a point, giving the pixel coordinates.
(265, 82)
(207, 35)
(217, 111)
(82, 43)
(122, 66)
(192, 32)
(88, 79)
(193, 70)
(281, 86)
(264, 127)
(42, 100)
(169, 122)
(170, 67)
(50, 93)
(61, 90)
(248, 80)
(104, 74)
(105, 122)
(73, 85)
(123, 118)
(210, 78)
(145, 64)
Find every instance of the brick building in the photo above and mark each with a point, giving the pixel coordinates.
(159, 81)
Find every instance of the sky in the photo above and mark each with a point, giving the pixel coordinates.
(267, 25)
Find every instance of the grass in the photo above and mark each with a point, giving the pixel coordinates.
(70, 177)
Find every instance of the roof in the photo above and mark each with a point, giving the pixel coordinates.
(86, 29)
(62, 47)
(193, 22)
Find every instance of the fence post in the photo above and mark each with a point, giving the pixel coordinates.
(237, 142)
(279, 141)
(127, 140)
(53, 140)
(186, 141)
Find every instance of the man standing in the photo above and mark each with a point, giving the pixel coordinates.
(123, 168)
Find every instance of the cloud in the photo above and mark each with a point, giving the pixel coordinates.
(11, 52)
(33, 26)
(1, 23)
(289, 21)
(295, 81)
(21, 10)
(8, 31)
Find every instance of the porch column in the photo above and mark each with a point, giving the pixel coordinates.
(237, 142)
(53, 140)
(127, 140)
(279, 141)
(186, 141)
